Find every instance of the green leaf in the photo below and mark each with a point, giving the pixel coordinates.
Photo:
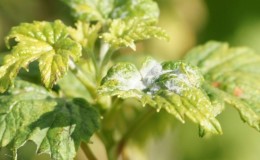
(85, 34)
(57, 126)
(234, 75)
(96, 10)
(124, 33)
(75, 90)
(90, 10)
(144, 9)
(173, 86)
(43, 41)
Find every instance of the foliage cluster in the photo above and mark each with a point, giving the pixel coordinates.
(79, 89)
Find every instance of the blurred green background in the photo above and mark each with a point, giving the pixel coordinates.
(188, 22)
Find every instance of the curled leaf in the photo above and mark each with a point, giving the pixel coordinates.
(173, 86)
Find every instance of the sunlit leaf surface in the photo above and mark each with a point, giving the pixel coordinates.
(46, 42)
(234, 75)
(98, 10)
(124, 33)
(173, 86)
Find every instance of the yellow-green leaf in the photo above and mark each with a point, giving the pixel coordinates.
(85, 34)
(233, 75)
(45, 42)
(144, 9)
(96, 10)
(124, 33)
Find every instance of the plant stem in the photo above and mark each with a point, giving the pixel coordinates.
(90, 86)
(93, 59)
(103, 51)
(108, 119)
(14, 154)
(87, 151)
(104, 57)
(136, 125)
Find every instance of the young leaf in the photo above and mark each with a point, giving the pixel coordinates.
(85, 34)
(123, 33)
(173, 86)
(43, 41)
(234, 75)
(57, 126)
(89, 10)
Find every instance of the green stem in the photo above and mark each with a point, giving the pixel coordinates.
(93, 59)
(103, 51)
(90, 86)
(109, 118)
(114, 106)
(14, 154)
(136, 125)
(88, 151)
(104, 57)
